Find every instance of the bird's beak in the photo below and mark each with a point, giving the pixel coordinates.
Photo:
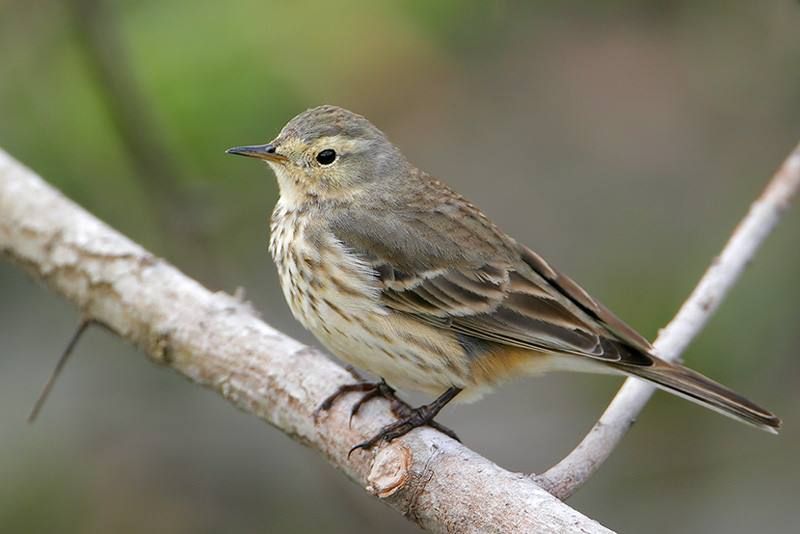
(266, 152)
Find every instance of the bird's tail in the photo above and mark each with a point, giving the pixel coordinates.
(691, 385)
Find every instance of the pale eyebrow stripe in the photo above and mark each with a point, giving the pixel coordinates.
(339, 144)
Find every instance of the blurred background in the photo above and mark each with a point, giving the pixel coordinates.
(622, 139)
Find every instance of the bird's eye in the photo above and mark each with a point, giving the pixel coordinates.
(326, 157)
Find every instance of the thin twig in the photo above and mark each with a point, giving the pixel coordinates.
(62, 361)
(563, 479)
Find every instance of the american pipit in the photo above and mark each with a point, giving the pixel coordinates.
(396, 273)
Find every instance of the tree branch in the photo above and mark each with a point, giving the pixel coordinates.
(217, 341)
(563, 479)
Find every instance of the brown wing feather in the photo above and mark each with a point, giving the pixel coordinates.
(578, 296)
(503, 293)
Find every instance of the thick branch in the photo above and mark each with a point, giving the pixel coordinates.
(569, 474)
(217, 341)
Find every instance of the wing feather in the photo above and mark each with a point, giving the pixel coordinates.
(504, 293)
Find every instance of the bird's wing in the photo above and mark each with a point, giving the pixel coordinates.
(454, 269)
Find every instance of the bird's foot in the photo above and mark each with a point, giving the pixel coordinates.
(370, 390)
(411, 418)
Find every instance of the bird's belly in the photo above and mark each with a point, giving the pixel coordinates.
(336, 296)
(360, 331)
(380, 345)
(348, 319)
(408, 353)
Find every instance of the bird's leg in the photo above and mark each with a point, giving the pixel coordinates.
(381, 389)
(413, 418)
(354, 373)
(371, 390)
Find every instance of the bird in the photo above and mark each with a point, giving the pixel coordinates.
(399, 275)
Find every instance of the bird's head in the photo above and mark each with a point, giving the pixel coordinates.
(328, 152)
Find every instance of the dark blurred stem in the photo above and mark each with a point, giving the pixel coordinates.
(62, 361)
(98, 36)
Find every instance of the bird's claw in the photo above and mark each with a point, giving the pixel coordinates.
(409, 418)
(371, 390)
(414, 418)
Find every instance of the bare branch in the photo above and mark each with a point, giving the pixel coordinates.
(217, 341)
(563, 479)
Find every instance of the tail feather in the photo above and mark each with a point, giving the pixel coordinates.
(691, 385)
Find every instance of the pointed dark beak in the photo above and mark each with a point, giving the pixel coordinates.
(266, 152)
